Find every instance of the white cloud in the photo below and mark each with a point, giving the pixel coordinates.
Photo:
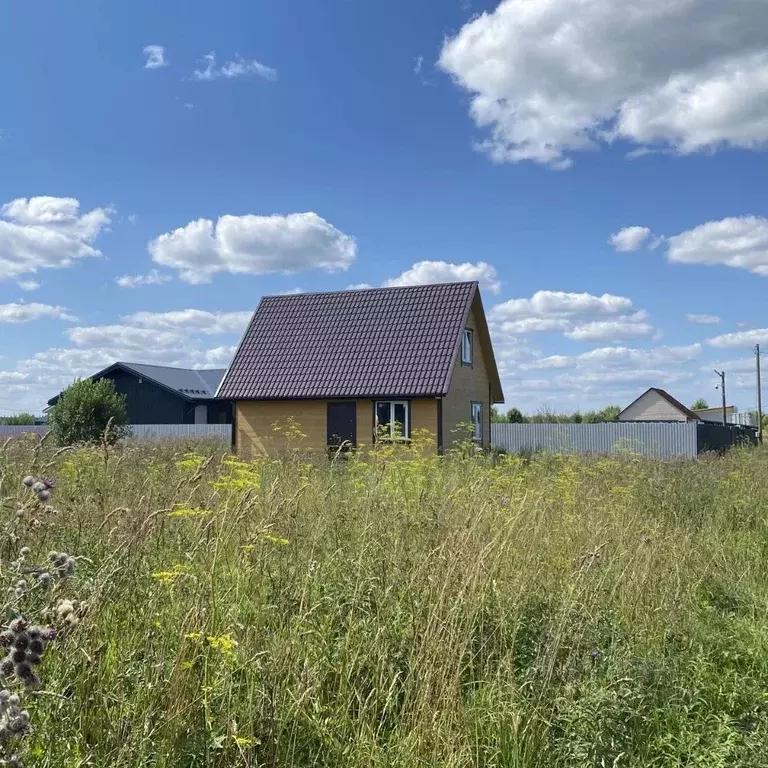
(155, 57)
(26, 312)
(47, 232)
(237, 67)
(220, 357)
(561, 304)
(580, 316)
(604, 357)
(630, 239)
(135, 340)
(29, 285)
(190, 321)
(733, 242)
(254, 245)
(740, 338)
(611, 330)
(358, 287)
(153, 277)
(549, 77)
(426, 272)
(703, 319)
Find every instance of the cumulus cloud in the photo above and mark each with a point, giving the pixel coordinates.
(27, 312)
(191, 321)
(254, 245)
(740, 338)
(546, 79)
(235, 68)
(47, 232)
(612, 330)
(617, 357)
(630, 239)
(740, 242)
(29, 285)
(220, 357)
(155, 57)
(179, 338)
(153, 277)
(580, 316)
(561, 304)
(703, 319)
(426, 272)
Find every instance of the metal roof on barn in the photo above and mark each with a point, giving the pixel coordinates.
(190, 383)
(359, 343)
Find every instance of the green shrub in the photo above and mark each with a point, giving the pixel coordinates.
(87, 412)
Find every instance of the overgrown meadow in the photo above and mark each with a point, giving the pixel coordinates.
(392, 610)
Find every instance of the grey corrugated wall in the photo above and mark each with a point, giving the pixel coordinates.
(657, 439)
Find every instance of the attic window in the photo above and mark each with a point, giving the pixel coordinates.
(466, 346)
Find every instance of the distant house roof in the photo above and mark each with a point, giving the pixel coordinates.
(359, 343)
(189, 383)
(671, 400)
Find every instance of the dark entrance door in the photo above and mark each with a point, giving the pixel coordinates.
(342, 424)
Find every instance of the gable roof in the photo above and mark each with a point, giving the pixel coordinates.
(671, 400)
(189, 383)
(393, 342)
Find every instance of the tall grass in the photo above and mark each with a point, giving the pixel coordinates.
(399, 610)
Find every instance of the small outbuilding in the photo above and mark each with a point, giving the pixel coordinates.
(657, 405)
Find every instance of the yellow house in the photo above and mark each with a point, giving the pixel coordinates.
(349, 368)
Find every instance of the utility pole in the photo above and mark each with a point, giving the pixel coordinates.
(759, 397)
(721, 374)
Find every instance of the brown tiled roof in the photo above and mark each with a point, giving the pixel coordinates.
(361, 343)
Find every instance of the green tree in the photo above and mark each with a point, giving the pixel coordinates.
(83, 411)
(610, 413)
(18, 419)
(700, 404)
(514, 416)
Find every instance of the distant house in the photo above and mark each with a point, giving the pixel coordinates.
(157, 394)
(657, 405)
(716, 414)
(352, 367)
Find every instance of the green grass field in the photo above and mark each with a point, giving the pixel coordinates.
(393, 611)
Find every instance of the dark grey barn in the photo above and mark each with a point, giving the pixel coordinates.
(158, 394)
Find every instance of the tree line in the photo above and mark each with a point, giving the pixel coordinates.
(548, 416)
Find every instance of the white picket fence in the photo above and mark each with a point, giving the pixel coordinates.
(143, 431)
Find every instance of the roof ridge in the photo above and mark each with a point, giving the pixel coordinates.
(169, 367)
(371, 288)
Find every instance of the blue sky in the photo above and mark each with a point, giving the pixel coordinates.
(323, 145)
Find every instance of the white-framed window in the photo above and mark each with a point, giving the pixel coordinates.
(477, 421)
(392, 419)
(466, 346)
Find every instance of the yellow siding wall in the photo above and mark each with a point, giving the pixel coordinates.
(255, 433)
(467, 384)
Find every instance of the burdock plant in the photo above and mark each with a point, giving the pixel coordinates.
(25, 646)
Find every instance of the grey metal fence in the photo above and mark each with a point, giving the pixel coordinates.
(658, 439)
(145, 431)
(7, 430)
(223, 431)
